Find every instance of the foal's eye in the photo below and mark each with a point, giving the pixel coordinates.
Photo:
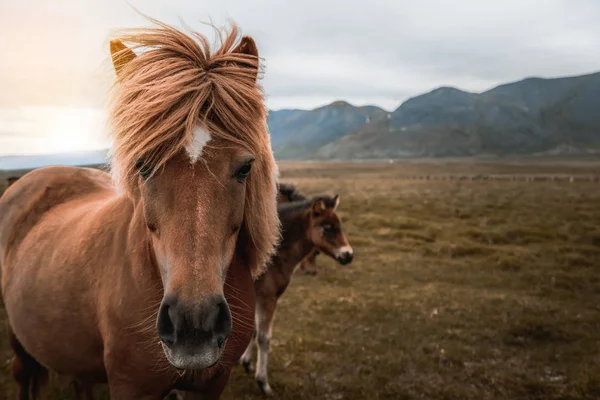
(328, 228)
(143, 169)
(242, 173)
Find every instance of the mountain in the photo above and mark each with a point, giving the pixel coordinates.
(296, 133)
(528, 117)
(534, 116)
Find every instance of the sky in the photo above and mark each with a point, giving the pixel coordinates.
(55, 78)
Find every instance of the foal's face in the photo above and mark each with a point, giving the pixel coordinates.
(326, 232)
(193, 213)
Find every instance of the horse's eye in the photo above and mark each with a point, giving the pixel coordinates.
(242, 173)
(143, 169)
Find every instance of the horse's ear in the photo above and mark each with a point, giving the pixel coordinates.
(120, 54)
(336, 201)
(319, 206)
(248, 47)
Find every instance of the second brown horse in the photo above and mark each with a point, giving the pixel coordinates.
(286, 193)
(306, 225)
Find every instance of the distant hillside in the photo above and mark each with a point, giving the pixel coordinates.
(532, 116)
(36, 161)
(297, 133)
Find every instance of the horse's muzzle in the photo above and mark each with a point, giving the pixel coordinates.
(193, 334)
(345, 257)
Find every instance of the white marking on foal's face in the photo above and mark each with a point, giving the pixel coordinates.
(196, 145)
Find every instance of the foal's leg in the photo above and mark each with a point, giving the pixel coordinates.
(265, 312)
(28, 373)
(246, 359)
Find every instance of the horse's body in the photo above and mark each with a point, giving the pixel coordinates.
(306, 225)
(37, 208)
(150, 289)
(286, 194)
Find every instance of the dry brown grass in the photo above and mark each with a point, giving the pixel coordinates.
(459, 290)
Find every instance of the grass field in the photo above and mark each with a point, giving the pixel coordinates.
(459, 290)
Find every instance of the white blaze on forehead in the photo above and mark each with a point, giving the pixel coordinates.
(200, 137)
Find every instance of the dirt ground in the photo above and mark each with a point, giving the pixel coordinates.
(459, 290)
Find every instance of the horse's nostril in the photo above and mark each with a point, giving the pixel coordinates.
(345, 258)
(222, 324)
(165, 325)
(194, 327)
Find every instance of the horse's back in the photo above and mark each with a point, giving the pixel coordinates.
(288, 192)
(41, 191)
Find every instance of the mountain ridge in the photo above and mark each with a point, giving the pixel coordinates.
(530, 117)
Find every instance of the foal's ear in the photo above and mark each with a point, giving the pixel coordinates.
(336, 201)
(319, 207)
(120, 55)
(248, 47)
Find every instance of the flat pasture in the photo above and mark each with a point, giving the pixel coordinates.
(485, 289)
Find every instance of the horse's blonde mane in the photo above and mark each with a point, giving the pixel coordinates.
(175, 84)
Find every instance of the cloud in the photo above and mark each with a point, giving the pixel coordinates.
(387, 49)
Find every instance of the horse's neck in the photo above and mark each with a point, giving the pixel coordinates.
(127, 283)
(296, 243)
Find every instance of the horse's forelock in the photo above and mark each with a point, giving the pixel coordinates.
(175, 85)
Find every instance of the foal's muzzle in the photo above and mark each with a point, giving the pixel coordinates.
(345, 256)
(193, 334)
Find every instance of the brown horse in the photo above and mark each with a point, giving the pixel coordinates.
(11, 180)
(288, 193)
(149, 287)
(306, 225)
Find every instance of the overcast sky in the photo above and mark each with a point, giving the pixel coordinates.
(55, 53)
